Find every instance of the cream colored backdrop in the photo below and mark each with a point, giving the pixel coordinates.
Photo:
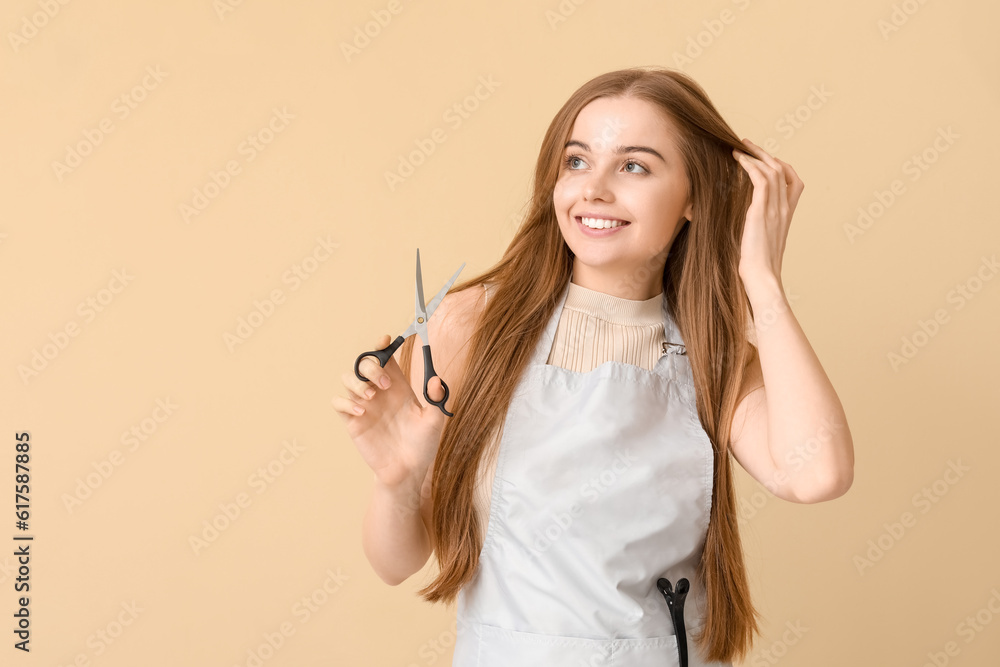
(199, 236)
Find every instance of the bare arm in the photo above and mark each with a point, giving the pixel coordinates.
(791, 434)
(394, 538)
(794, 437)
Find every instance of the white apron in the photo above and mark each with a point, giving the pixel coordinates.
(603, 485)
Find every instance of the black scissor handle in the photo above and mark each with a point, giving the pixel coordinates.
(428, 374)
(675, 603)
(382, 355)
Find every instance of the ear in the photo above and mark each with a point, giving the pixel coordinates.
(689, 212)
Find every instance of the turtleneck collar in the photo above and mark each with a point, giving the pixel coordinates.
(615, 309)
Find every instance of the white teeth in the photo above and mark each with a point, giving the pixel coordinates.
(600, 223)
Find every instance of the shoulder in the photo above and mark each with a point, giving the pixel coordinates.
(458, 312)
(450, 329)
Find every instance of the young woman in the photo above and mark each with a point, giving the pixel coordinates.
(632, 341)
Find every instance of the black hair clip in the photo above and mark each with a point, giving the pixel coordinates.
(675, 603)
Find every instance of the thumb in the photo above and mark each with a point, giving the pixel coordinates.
(435, 389)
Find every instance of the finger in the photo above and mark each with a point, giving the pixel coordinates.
(436, 393)
(757, 177)
(435, 389)
(771, 161)
(786, 202)
(791, 176)
(795, 184)
(346, 408)
(371, 369)
(778, 204)
(392, 374)
(358, 390)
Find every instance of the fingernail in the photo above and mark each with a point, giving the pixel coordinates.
(369, 392)
(358, 410)
(384, 382)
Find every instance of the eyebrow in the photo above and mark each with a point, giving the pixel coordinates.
(621, 150)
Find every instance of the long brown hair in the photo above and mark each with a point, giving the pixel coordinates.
(704, 294)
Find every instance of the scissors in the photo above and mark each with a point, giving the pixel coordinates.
(418, 327)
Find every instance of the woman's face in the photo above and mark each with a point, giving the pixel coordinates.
(621, 163)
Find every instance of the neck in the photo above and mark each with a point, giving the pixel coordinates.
(624, 284)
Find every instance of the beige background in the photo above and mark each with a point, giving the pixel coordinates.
(161, 336)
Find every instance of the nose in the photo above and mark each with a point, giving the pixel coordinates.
(597, 187)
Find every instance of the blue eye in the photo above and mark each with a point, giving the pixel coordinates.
(569, 161)
(635, 164)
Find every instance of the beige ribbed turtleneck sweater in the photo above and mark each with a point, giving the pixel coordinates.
(594, 327)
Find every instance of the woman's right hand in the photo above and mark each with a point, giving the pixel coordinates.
(396, 432)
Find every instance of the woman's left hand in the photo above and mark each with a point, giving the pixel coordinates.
(776, 190)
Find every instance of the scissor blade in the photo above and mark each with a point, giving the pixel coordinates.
(421, 310)
(432, 306)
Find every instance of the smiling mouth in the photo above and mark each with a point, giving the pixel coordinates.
(601, 223)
